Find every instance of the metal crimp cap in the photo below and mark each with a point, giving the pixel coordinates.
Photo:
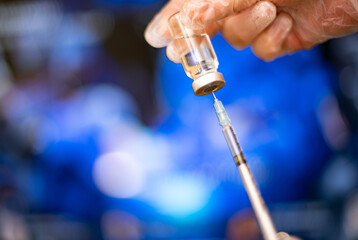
(208, 83)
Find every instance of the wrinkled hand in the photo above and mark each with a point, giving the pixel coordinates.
(272, 28)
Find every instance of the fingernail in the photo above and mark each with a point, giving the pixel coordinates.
(284, 24)
(265, 12)
(272, 43)
(280, 29)
(155, 33)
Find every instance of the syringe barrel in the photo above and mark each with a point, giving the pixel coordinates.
(261, 212)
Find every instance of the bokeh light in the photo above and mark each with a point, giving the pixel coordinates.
(181, 195)
(118, 175)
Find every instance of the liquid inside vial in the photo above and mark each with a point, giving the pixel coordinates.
(200, 58)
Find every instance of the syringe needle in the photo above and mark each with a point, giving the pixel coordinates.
(214, 95)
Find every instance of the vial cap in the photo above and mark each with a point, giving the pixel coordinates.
(208, 83)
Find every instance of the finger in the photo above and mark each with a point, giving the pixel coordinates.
(157, 32)
(283, 236)
(172, 52)
(212, 29)
(293, 43)
(270, 43)
(240, 30)
(204, 12)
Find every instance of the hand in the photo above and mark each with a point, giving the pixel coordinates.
(271, 28)
(285, 236)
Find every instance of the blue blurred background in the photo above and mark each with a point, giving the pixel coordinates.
(102, 137)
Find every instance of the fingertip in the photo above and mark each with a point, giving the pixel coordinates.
(286, 21)
(283, 236)
(265, 57)
(242, 29)
(172, 54)
(156, 33)
(271, 43)
(268, 55)
(212, 29)
(266, 10)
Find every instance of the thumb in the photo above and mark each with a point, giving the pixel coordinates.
(201, 13)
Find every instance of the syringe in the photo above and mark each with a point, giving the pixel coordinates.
(263, 217)
(200, 63)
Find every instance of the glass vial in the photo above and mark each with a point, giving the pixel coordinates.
(197, 56)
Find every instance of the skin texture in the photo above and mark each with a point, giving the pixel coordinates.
(285, 236)
(271, 28)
